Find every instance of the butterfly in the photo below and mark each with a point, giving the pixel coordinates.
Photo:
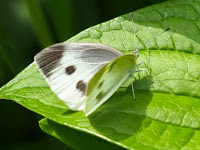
(68, 68)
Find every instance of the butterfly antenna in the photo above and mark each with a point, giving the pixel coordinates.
(133, 30)
(156, 36)
(134, 49)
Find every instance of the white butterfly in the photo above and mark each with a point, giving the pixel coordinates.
(68, 67)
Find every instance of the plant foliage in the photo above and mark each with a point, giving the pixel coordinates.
(165, 114)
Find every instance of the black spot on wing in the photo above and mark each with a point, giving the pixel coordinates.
(81, 85)
(100, 84)
(100, 96)
(111, 66)
(48, 61)
(70, 69)
(57, 47)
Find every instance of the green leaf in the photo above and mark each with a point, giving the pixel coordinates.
(165, 114)
(40, 24)
(73, 138)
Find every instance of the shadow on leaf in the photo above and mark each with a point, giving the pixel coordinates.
(122, 116)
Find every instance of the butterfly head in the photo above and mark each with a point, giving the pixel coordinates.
(136, 53)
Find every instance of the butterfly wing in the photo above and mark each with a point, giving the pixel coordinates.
(68, 67)
(107, 80)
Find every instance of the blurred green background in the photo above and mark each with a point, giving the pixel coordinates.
(28, 26)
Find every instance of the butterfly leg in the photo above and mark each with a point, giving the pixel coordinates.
(140, 64)
(137, 71)
(145, 71)
(140, 70)
(133, 90)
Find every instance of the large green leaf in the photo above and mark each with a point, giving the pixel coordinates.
(165, 114)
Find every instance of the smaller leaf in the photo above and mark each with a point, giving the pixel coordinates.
(75, 139)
